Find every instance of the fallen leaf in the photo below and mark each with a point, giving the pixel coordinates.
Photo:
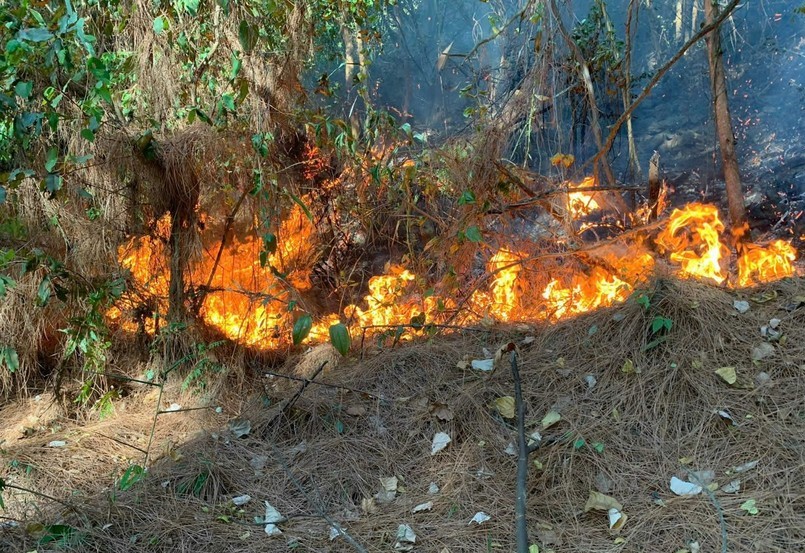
(727, 374)
(423, 507)
(591, 381)
(762, 351)
(741, 306)
(726, 416)
(511, 449)
(486, 365)
(389, 483)
(368, 505)
(240, 427)
(601, 502)
(551, 418)
(732, 487)
(745, 467)
(616, 519)
(356, 410)
(405, 538)
(680, 487)
(764, 297)
(270, 519)
(750, 506)
(241, 500)
(440, 441)
(505, 406)
(629, 367)
(441, 411)
(173, 407)
(433, 488)
(57, 443)
(479, 518)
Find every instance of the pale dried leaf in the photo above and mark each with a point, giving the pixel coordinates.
(440, 441)
(681, 487)
(505, 406)
(427, 506)
(479, 518)
(551, 418)
(727, 374)
(601, 502)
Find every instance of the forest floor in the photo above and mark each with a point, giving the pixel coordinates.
(621, 409)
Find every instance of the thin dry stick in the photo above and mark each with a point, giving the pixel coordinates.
(522, 458)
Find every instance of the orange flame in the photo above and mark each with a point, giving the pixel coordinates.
(580, 203)
(693, 239)
(758, 264)
(248, 301)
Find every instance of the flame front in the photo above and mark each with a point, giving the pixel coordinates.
(248, 300)
(693, 238)
(581, 203)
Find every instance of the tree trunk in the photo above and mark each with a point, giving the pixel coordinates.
(726, 137)
(654, 186)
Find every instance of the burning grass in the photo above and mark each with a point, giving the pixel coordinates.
(640, 426)
(249, 289)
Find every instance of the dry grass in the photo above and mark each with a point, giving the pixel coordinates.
(646, 422)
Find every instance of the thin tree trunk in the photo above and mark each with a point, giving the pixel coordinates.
(654, 186)
(614, 199)
(726, 137)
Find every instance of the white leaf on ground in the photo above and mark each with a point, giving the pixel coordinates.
(551, 418)
(433, 488)
(680, 487)
(389, 483)
(725, 415)
(510, 449)
(173, 407)
(384, 497)
(423, 507)
(528, 340)
(487, 353)
(745, 467)
(732, 487)
(240, 427)
(334, 533)
(591, 381)
(480, 517)
(534, 438)
(485, 365)
(241, 500)
(405, 538)
(727, 374)
(741, 306)
(57, 443)
(762, 351)
(616, 519)
(440, 441)
(601, 502)
(774, 323)
(272, 514)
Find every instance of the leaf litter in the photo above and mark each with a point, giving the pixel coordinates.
(675, 402)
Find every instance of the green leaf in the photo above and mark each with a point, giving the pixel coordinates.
(339, 336)
(301, 328)
(473, 234)
(53, 183)
(23, 89)
(236, 65)
(133, 474)
(43, 292)
(2, 200)
(270, 242)
(467, 197)
(88, 135)
(228, 101)
(248, 36)
(11, 359)
(579, 443)
(161, 24)
(51, 159)
(34, 35)
(301, 204)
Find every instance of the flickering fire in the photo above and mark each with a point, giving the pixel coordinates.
(693, 238)
(580, 203)
(248, 301)
(758, 264)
